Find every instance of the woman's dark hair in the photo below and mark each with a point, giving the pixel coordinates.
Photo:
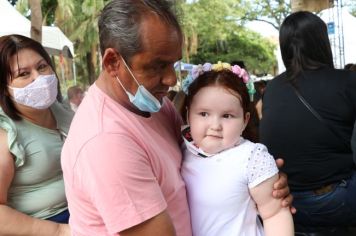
(10, 45)
(304, 43)
(230, 81)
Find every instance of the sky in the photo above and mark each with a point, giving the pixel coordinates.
(263, 28)
(267, 30)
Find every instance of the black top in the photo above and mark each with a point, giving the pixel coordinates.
(314, 155)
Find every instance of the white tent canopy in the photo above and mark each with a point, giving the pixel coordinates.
(53, 39)
(183, 66)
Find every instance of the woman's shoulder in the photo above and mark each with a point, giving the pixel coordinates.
(332, 73)
(61, 108)
(10, 127)
(277, 83)
(333, 79)
(63, 115)
(6, 123)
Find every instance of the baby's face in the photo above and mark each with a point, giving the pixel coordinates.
(216, 119)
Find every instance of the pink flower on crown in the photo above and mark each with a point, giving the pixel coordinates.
(244, 75)
(240, 72)
(236, 69)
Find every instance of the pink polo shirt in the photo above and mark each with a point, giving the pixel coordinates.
(121, 169)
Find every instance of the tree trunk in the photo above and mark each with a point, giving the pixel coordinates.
(91, 68)
(36, 20)
(314, 6)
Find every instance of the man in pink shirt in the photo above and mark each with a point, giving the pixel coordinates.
(121, 160)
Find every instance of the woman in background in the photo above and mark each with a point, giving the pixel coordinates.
(33, 126)
(308, 118)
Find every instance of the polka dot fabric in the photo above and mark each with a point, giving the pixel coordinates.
(260, 165)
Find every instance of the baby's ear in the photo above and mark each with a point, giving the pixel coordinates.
(247, 119)
(187, 116)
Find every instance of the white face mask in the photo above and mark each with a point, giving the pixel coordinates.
(40, 94)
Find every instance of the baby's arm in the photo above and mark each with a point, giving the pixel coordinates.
(277, 220)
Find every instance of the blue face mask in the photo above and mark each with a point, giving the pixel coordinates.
(143, 99)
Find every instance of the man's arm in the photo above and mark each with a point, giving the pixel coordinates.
(158, 225)
(281, 189)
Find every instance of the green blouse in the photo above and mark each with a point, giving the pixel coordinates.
(37, 188)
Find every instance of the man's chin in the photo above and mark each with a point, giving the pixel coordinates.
(160, 96)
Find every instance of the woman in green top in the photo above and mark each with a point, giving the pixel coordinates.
(33, 126)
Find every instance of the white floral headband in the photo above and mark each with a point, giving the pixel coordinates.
(200, 69)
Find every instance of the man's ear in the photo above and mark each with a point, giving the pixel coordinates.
(111, 61)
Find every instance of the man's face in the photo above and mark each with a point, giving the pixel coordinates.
(154, 66)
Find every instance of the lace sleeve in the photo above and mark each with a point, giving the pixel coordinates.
(260, 166)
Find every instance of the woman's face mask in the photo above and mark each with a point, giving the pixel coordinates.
(40, 94)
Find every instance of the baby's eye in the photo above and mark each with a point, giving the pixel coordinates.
(227, 116)
(203, 114)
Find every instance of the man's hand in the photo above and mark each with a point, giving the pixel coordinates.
(281, 189)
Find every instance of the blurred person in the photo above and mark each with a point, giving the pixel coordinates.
(75, 96)
(122, 158)
(171, 94)
(353, 67)
(260, 87)
(348, 66)
(309, 113)
(33, 126)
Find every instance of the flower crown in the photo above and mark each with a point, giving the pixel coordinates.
(200, 69)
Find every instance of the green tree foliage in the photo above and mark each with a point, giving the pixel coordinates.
(352, 6)
(214, 30)
(272, 12)
(207, 21)
(78, 20)
(256, 52)
(83, 30)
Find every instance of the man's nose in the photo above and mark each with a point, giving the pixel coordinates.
(170, 77)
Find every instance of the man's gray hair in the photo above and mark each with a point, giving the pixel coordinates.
(120, 20)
